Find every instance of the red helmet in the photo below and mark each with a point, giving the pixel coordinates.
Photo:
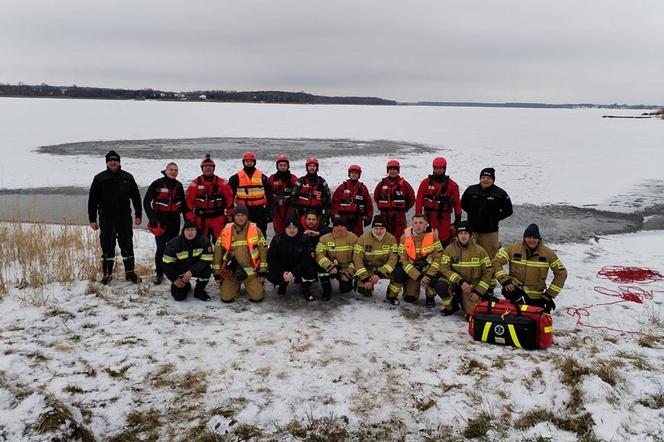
(354, 168)
(207, 161)
(439, 162)
(157, 229)
(248, 156)
(393, 164)
(282, 159)
(311, 160)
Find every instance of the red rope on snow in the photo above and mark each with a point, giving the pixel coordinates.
(627, 275)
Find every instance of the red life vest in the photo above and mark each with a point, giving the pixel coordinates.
(250, 190)
(310, 195)
(209, 198)
(281, 190)
(391, 194)
(352, 200)
(436, 197)
(164, 201)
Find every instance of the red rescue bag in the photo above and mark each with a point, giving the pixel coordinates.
(506, 323)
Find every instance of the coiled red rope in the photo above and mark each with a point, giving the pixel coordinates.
(624, 293)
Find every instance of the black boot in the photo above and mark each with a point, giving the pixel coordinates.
(430, 302)
(133, 277)
(107, 271)
(281, 290)
(158, 279)
(392, 301)
(449, 311)
(200, 293)
(327, 292)
(305, 291)
(411, 299)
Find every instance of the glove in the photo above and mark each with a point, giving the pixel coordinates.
(367, 222)
(548, 303)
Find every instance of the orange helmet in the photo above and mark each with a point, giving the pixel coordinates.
(354, 168)
(439, 162)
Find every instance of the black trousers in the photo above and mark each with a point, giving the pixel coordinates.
(344, 286)
(519, 295)
(118, 230)
(180, 293)
(304, 274)
(172, 225)
(258, 215)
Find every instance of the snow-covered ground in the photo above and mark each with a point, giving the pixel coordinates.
(111, 361)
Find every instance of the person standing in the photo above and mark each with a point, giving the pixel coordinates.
(252, 190)
(311, 192)
(282, 184)
(188, 256)
(486, 205)
(352, 202)
(163, 203)
(437, 198)
(110, 194)
(394, 197)
(210, 200)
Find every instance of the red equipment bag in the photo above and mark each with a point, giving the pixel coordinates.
(506, 323)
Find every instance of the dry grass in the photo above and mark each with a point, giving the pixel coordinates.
(35, 255)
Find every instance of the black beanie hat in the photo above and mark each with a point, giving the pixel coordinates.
(464, 226)
(338, 221)
(533, 231)
(112, 155)
(241, 209)
(488, 171)
(291, 220)
(189, 224)
(379, 221)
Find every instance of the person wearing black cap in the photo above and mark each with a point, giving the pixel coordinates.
(210, 200)
(467, 272)
(529, 263)
(486, 205)
(240, 257)
(289, 260)
(110, 194)
(375, 256)
(187, 256)
(334, 256)
(163, 203)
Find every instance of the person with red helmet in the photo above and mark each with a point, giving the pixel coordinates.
(210, 199)
(251, 188)
(311, 192)
(163, 203)
(352, 202)
(437, 198)
(282, 184)
(394, 197)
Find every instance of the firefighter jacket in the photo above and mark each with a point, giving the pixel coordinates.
(372, 255)
(420, 254)
(164, 196)
(282, 185)
(528, 269)
(470, 264)
(246, 244)
(311, 192)
(251, 188)
(209, 197)
(438, 194)
(290, 254)
(394, 195)
(110, 194)
(182, 255)
(334, 250)
(351, 201)
(486, 207)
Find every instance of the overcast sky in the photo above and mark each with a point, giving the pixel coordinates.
(601, 51)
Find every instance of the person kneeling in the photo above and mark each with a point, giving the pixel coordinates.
(187, 256)
(467, 270)
(289, 260)
(375, 257)
(334, 255)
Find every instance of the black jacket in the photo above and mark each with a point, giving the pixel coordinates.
(182, 255)
(110, 194)
(486, 207)
(151, 193)
(288, 254)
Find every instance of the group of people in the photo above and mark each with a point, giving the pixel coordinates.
(225, 228)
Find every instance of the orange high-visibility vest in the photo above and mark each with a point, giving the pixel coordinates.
(427, 246)
(250, 190)
(252, 242)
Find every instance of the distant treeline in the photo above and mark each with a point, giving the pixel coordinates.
(45, 90)
(538, 105)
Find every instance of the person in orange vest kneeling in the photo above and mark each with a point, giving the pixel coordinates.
(240, 257)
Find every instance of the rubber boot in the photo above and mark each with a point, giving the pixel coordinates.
(107, 271)
(200, 293)
(327, 291)
(305, 291)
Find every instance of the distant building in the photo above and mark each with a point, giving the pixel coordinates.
(202, 97)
